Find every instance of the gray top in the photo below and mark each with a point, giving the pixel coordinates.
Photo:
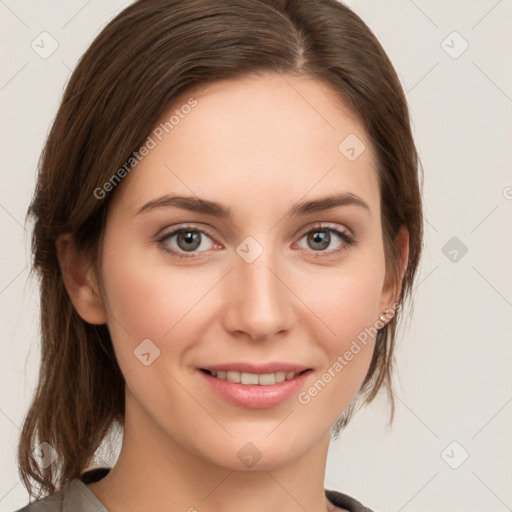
(75, 496)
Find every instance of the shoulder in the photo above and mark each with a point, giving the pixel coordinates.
(345, 501)
(73, 497)
(52, 503)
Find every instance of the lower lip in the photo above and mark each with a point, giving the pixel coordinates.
(253, 396)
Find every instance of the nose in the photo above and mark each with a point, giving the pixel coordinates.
(258, 301)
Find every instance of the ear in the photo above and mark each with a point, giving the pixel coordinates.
(79, 280)
(393, 285)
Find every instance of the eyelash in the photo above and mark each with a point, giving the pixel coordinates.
(348, 240)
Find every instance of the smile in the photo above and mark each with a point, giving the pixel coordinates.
(255, 390)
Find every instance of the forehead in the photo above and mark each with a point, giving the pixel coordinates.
(258, 137)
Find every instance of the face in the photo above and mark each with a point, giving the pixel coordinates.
(279, 283)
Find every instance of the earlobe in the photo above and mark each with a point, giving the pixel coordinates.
(79, 280)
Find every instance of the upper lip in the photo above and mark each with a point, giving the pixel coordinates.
(271, 367)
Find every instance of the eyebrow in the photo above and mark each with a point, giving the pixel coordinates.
(196, 204)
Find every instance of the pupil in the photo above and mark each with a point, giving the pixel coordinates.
(191, 239)
(321, 238)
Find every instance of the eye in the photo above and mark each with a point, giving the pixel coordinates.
(322, 237)
(185, 240)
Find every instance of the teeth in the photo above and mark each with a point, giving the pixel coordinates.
(280, 376)
(265, 379)
(233, 376)
(249, 378)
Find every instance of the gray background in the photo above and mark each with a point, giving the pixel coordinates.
(453, 390)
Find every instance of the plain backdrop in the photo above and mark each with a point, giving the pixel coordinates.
(450, 446)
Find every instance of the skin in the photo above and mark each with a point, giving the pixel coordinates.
(259, 146)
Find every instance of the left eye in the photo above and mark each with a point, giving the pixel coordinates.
(320, 239)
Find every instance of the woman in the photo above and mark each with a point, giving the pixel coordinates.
(227, 222)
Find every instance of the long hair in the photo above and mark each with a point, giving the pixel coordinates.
(151, 53)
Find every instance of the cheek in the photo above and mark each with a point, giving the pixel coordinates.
(346, 301)
(349, 311)
(351, 315)
(358, 307)
(151, 301)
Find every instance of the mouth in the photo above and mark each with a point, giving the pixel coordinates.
(262, 388)
(254, 379)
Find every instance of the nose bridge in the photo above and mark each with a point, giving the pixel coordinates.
(261, 303)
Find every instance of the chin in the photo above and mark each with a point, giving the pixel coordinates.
(257, 453)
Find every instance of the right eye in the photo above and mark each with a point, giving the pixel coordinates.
(185, 240)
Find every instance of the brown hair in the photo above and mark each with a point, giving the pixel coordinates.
(151, 53)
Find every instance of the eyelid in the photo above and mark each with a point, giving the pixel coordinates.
(327, 226)
(172, 231)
